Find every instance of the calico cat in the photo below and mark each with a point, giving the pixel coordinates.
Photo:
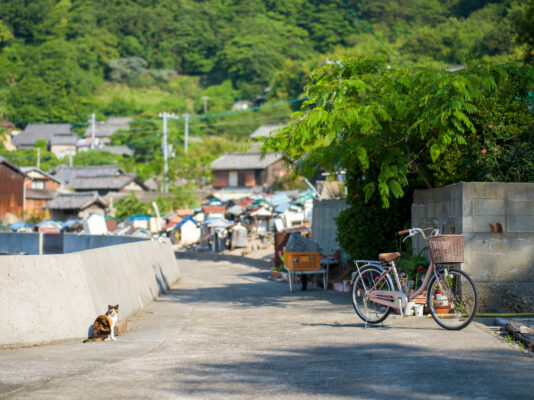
(104, 324)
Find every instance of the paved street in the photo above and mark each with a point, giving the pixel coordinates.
(226, 331)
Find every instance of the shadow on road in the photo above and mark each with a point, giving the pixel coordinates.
(371, 371)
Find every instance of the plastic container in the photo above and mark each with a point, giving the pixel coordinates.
(418, 309)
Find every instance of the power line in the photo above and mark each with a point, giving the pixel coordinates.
(372, 33)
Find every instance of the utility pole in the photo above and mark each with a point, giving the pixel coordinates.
(93, 131)
(165, 154)
(186, 132)
(205, 99)
(38, 157)
(165, 115)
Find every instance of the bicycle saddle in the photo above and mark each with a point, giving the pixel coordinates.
(387, 257)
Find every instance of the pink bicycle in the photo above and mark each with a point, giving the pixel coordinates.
(451, 296)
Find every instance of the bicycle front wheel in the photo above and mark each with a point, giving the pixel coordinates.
(367, 310)
(452, 299)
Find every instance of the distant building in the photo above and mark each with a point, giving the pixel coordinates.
(104, 130)
(59, 138)
(11, 188)
(266, 131)
(242, 105)
(247, 170)
(76, 205)
(101, 178)
(40, 187)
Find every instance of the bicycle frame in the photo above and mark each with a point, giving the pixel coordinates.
(387, 297)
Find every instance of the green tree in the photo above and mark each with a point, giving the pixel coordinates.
(129, 205)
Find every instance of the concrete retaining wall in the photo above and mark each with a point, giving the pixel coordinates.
(497, 221)
(71, 242)
(57, 297)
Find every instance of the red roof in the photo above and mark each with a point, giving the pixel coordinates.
(246, 202)
(214, 209)
(184, 213)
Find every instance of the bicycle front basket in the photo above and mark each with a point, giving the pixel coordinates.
(446, 249)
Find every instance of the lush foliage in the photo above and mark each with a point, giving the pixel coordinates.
(178, 197)
(394, 130)
(54, 54)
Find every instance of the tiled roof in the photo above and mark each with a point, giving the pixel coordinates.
(27, 170)
(239, 161)
(120, 150)
(70, 140)
(214, 209)
(34, 132)
(40, 194)
(75, 201)
(69, 174)
(115, 182)
(265, 130)
(108, 128)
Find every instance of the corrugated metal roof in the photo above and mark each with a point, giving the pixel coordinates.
(240, 161)
(75, 201)
(11, 165)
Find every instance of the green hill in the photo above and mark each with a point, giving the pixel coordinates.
(61, 60)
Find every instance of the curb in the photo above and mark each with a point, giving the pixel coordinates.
(223, 257)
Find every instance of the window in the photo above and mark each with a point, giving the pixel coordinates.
(38, 184)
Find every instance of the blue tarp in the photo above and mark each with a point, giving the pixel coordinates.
(69, 223)
(18, 225)
(277, 199)
(133, 218)
(182, 222)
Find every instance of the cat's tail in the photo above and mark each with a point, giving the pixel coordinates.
(97, 339)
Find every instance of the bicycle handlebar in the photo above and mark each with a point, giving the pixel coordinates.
(404, 232)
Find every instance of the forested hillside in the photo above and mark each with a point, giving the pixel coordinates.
(63, 59)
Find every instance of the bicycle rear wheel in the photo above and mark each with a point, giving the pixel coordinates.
(452, 299)
(367, 310)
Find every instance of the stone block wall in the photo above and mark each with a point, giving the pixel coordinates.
(497, 221)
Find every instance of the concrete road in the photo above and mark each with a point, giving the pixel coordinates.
(225, 331)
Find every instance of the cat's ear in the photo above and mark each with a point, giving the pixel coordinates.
(117, 306)
(110, 306)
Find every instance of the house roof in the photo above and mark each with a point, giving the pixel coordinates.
(114, 182)
(27, 170)
(69, 140)
(214, 209)
(11, 165)
(108, 128)
(120, 150)
(69, 174)
(185, 213)
(239, 161)
(265, 130)
(34, 132)
(40, 194)
(75, 201)
(184, 221)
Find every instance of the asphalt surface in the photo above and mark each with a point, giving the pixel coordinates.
(226, 331)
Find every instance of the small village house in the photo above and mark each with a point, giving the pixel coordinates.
(40, 188)
(104, 130)
(101, 178)
(11, 188)
(76, 205)
(60, 138)
(189, 231)
(247, 171)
